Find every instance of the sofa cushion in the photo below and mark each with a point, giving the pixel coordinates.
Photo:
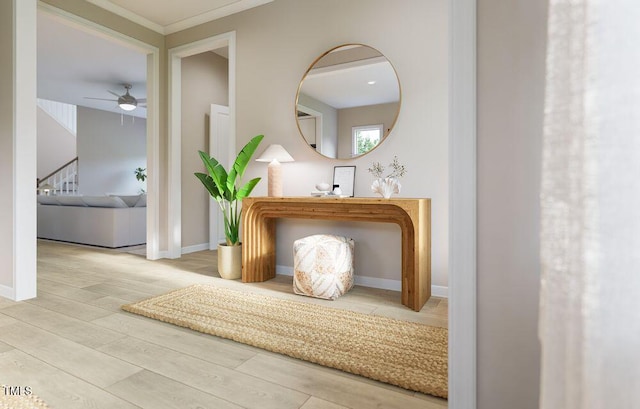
(130, 200)
(104, 201)
(71, 200)
(142, 202)
(48, 200)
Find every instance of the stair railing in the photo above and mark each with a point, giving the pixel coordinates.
(64, 180)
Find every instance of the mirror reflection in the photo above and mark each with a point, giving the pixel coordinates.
(348, 101)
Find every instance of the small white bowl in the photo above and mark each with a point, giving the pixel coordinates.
(323, 187)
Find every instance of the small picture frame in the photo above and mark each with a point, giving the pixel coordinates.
(345, 178)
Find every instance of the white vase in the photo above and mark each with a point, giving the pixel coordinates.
(385, 187)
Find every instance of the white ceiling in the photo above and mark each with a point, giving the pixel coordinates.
(74, 64)
(347, 85)
(169, 16)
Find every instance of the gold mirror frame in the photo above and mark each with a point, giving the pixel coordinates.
(361, 56)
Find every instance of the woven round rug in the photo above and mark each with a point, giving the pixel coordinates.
(406, 354)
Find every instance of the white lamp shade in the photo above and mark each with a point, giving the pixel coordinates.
(275, 152)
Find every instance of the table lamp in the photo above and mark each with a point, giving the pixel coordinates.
(274, 154)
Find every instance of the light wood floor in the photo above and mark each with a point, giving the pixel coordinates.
(76, 349)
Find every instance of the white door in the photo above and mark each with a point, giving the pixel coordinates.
(221, 149)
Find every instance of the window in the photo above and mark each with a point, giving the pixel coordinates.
(365, 138)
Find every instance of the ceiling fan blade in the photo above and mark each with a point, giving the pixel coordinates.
(102, 99)
(113, 93)
(141, 100)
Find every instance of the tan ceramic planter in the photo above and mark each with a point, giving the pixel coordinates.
(230, 261)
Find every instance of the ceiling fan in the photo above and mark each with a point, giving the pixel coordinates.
(126, 102)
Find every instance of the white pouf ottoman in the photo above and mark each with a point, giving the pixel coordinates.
(323, 266)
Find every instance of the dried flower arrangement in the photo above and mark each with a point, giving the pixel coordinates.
(398, 170)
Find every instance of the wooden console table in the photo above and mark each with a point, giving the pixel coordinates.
(412, 215)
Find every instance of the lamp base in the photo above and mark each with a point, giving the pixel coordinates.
(274, 176)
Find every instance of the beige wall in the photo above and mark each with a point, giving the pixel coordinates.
(205, 81)
(511, 63)
(367, 115)
(6, 143)
(277, 42)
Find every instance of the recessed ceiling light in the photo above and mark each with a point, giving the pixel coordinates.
(371, 82)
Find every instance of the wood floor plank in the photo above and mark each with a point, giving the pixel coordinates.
(329, 386)
(108, 303)
(317, 403)
(149, 390)
(141, 286)
(6, 319)
(239, 388)
(86, 363)
(183, 340)
(4, 348)
(5, 302)
(74, 278)
(57, 388)
(73, 329)
(68, 307)
(128, 294)
(66, 291)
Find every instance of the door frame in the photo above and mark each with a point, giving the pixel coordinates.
(176, 55)
(319, 128)
(153, 113)
(462, 204)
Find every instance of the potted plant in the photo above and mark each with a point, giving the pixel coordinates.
(221, 185)
(141, 176)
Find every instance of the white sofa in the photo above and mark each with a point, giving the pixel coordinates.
(106, 221)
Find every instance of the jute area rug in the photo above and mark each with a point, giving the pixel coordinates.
(23, 401)
(406, 354)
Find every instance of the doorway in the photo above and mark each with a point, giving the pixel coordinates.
(101, 85)
(177, 106)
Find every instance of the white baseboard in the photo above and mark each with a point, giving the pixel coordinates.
(373, 282)
(195, 247)
(7, 292)
(440, 291)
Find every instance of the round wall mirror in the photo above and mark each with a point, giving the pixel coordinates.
(348, 101)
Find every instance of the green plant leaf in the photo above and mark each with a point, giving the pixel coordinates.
(245, 190)
(209, 184)
(216, 172)
(242, 160)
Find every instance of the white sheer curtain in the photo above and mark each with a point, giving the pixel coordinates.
(590, 204)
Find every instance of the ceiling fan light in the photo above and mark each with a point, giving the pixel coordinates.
(127, 106)
(127, 102)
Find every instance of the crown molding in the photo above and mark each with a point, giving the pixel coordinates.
(129, 15)
(215, 14)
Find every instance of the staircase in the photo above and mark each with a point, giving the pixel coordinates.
(63, 180)
(57, 130)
